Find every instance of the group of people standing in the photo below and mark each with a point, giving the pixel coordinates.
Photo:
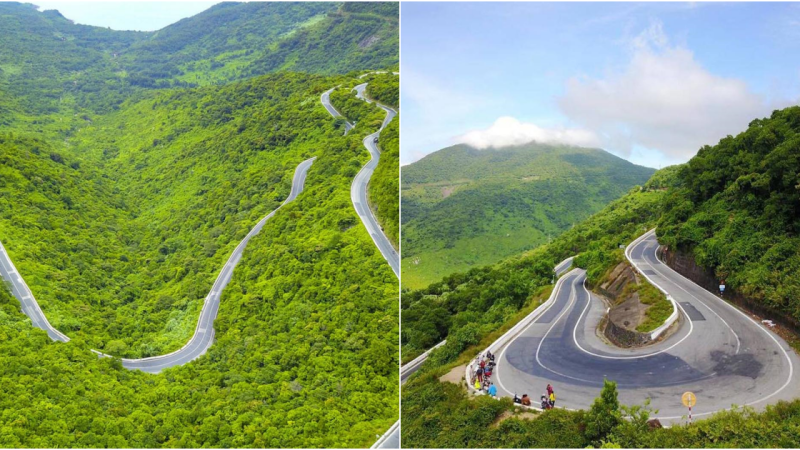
(483, 374)
(481, 381)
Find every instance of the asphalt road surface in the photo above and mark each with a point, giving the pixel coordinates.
(325, 98)
(390, 439)
(412, 366)
(358, 190)
(717, 352)
(22, 292)
(204, 332)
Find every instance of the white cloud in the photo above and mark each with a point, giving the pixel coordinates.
(507, 131)
(431, 107)
(662, 100)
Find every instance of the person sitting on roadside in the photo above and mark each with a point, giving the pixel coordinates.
(526, 401)
(517, 399)
(487, 373)
(492, 390)
(545, 403)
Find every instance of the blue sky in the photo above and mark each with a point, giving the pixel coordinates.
(650, 82)
(141, 16)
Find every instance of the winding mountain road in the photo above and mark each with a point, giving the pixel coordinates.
(203, 335)
(717, 351)
(358, 190)
(358, 195)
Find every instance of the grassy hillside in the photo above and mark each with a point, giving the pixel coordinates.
(465, 208)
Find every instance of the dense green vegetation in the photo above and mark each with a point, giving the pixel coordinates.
(306, 334)
(356, 111)
(384, 188)
(304, 351)
(385, 88)
(121, 199)
(357, 37)
(465, 208)
(178, 182)
(736, 209)
(222, 43)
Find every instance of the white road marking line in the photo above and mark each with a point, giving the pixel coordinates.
(554, 296)
(575, 337)
(767, 332)
(738, 342)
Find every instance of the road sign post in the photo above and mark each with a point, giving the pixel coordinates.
(689, 400)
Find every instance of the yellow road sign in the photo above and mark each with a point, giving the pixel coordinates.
(688, 399)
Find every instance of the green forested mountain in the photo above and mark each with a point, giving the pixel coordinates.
(56, 66)
(177, 181)
(120, 201)
(120, 236)
(734, 207)
(464, 207)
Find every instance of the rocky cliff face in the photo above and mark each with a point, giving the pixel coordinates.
(627, 311)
